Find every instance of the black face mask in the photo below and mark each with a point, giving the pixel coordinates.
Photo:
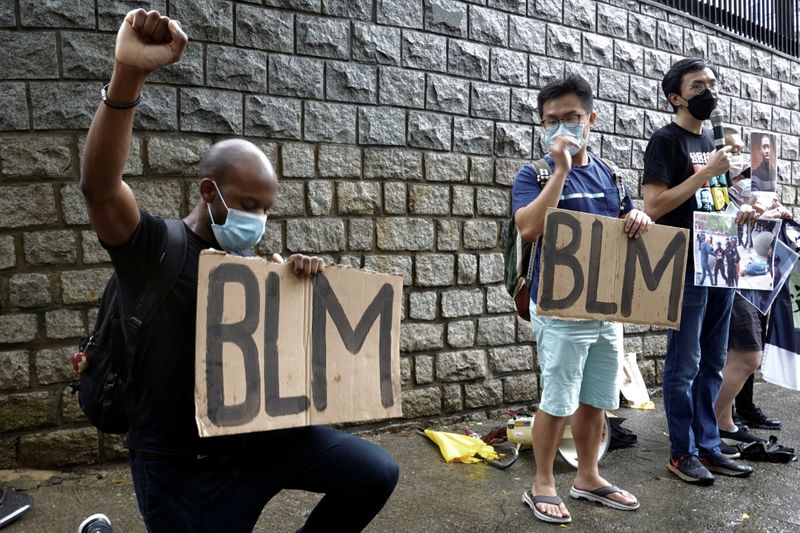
(702, 105)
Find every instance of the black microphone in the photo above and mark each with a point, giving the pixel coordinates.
(716, 121)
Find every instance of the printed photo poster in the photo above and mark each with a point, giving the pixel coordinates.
(756, 243)
(713, 195)
(716, 254)
(784, 266)
(763, 162)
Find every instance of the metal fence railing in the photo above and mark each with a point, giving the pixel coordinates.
(772, 23)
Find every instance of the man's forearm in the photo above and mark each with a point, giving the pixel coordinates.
(669, 199)
(530, 219)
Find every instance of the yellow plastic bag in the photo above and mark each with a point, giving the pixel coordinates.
(457, 448)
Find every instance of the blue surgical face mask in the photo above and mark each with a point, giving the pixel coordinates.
(576, 132)
(241, 231)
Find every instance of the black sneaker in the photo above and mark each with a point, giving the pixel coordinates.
(97, 523)
(719, 464)
(742, 434)
(690, 469)
(731, 452)
(757, 419)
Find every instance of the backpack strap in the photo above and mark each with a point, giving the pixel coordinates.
(614, 171)
(542, 171)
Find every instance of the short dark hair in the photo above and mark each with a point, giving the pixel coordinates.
(674, 76)
(572, 84)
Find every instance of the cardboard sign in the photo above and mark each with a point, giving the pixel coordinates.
(591, 270)
(277, 350)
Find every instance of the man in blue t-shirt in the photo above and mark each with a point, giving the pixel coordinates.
(579, 360)
(681, 168)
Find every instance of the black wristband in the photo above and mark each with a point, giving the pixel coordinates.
(104, 94)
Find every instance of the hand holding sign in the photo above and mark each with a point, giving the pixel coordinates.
(302, 264)
(636, 223)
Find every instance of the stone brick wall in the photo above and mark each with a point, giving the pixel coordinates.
(397, 127)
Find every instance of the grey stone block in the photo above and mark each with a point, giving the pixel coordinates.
(628, 57)
(522, 388)
(49, 247)
(656, 64)
(435, 270)
(360, 198)
(419, 403)
(57, 13)
(654, 120)
(452, 398)
(741, 56)
(298, 160)
(267, 29)
(506, 169)
(490, 101)
(614, 86)
(447, 94)
(493, 202)
(267, 116)
(63, 324)
(350, 82)
(524, 106)
(445, 167)
(313, 6)
(781, 69)
(480, 234)
(18, 327)
(14, 102)
(587, 72)
(751, 87)
(382, 125)
(15, 374)
(429, 130)
(323, 37)
(27, 205)
(424, 51)
(473, 136)
(729, 81)
(320, 197)
(401, 87)
(544, 70)
(315, 235)
(204, 20)
(463, 200)
(468, 59)
(29, 289)
(488, 25)
(8, 255)
(93, 252)
(770, 91)
(762, 116)
(392, 163)
(188, 71)
(63, 105)
(461, 333)
(429, 200)
(598, 50)
(407, 14)
(669, 37)
(376, 44)
(159, 197)
(524, 332)
(496, 330)
(84, 286)
(422, 305)
(447, 17)
(562, 42)
(526, 34)
(295, 76)
(158, 110)
(612, 20)
(330, 122)
(7, 17)
(762, 62)
(423, 369)
(290, 200)
(339, 161)
(212, 111)
(617, 149)
(87, 55)
(235, 68)
(396, 234)
(695, 43)
(448, 235)
(644, 92)
(72, 205)
(489, 392)
(498, 300)
(630, 121)
(111, 13)
(513, 140)
(461, 365)
(789, 96)
(394, 198)
(509, 67)
(642, 29)
(580, 14)
(175, 156)
(481, 170)
(545, 9)
(36, 156)
(719, 51)
(637, 159)
(353, 9)
(53, 366)
(401, 265)
(781, 121)
(360, 234)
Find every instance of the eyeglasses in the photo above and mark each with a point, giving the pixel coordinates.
(550, 124)
(699, 87)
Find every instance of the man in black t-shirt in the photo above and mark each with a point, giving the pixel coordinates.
(184, 483)
(681, 168)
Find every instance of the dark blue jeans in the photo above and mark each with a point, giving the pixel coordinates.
(693, 369)
(227, 492)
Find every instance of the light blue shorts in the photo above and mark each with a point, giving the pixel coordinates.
(579, 362)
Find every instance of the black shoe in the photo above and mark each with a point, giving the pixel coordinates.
(731, 452)
(719, 464)
(757, 419)
(13, 505)
(690, 469)
(741, 435)
(97, 523)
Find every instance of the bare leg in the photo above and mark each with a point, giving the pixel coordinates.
(587, 428)
(547, 432)
(738, 367)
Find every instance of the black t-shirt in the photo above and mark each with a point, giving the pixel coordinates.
(673, 155)
(162, 410)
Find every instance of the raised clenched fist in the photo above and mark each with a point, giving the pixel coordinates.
(147, 41)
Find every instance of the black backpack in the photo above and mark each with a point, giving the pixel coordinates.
(111, 349)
